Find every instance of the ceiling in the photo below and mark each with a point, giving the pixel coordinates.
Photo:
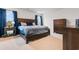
(42, 10)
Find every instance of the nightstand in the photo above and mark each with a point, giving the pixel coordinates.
(9, 31)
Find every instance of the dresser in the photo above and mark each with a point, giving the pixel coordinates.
(71, 39)
(70, 35)
(59, 25)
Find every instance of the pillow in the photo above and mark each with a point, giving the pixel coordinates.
(29, 24)
(23, 24)
(34, 24)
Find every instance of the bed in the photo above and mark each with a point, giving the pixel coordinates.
(31, 33)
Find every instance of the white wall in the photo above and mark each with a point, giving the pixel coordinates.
(23, 13)
(70, 14)
(48, 19)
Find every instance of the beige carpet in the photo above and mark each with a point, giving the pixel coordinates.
(13, 43)
(46, 43)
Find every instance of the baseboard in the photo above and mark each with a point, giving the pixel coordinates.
(59, 36)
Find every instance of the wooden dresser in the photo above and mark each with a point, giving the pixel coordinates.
(59, 25)
(70, 35)
(71, 39)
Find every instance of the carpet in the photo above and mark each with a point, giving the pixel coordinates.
(13, 43)
(18, 43)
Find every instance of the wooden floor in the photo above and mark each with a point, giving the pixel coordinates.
(46, 43)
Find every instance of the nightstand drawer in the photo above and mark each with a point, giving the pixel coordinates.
(9, 31)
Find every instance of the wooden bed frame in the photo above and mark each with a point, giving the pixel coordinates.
(38, 36)
(29, 38)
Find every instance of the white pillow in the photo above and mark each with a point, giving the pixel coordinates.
(34, 24)
(23, 24)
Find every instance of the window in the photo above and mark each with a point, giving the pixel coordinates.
(38, 20)
(9, 18)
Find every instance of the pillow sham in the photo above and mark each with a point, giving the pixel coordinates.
(23, 24)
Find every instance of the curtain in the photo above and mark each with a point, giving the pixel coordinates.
(16, 22)
(36, 19)
(41, 20)
(2, 21)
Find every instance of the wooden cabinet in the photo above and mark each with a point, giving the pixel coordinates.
(71, 39)
(59, 25)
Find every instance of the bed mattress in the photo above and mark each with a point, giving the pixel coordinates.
(32, 30)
